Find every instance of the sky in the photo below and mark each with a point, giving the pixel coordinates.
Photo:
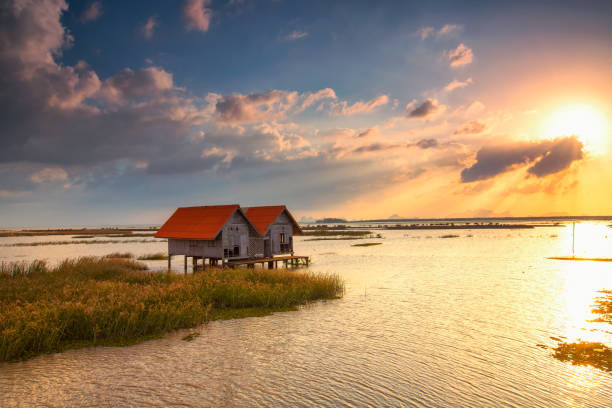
(115, 112)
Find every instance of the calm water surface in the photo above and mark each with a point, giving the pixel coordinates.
(425, 322)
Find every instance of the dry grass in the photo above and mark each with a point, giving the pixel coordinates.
(159, 256)
(113, 301)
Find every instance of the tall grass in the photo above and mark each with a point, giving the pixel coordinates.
(113, 301)
(158, 256)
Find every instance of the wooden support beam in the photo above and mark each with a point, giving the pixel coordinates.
(185, 264)
(169, 261)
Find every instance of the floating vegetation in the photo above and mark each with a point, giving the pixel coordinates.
(83, 236)
(331, 233)
(603, 307)
(114, 301)
(449, 236)
(334, 239)
(88, 242)
(367, 244)
(119, 255)
(159, 256)
(592, 354)
(191, 336)
(585, 353)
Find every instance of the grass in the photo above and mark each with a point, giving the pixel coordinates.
(114, 301)
(82, 231)
(333, 233)
(449, 236)
(87, 242)
(367, 244)
(159, 256)
(120, 255)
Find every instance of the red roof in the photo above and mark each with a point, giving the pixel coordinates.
(203, 222)
(263, 216)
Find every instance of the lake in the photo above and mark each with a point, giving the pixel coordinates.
(425, 322)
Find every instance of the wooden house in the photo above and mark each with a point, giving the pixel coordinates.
(217, 233)
(277, 227)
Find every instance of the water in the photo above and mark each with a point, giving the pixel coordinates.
(425, 322)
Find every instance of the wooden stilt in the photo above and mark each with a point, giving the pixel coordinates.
(185, 264)
(169, 261)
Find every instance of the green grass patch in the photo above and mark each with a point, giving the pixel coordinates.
(367, 244)
(159, 256)
(114, 301)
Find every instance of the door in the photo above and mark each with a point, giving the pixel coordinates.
(267, 248)
(244, 244)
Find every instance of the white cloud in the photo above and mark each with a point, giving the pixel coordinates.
(462, 55)
(343, 108)
(197, 14)
(454, 84)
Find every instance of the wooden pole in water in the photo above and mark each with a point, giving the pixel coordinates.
(573, 237)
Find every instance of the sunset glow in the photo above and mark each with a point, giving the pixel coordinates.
(584, 121)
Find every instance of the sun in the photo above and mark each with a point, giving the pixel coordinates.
(583, 121)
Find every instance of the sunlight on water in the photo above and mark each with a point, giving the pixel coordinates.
(425, 321)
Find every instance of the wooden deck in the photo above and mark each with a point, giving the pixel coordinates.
(289, 260)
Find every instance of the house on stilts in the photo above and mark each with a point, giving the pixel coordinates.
(226, 235)
(277, 227)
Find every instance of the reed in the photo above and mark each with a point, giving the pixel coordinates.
(158, 256)
(83, 242)
(114, 301)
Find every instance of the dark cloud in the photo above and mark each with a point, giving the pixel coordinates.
(426, 110)
(560, 156)
(471, 128)
(548, 157)
(427, 143)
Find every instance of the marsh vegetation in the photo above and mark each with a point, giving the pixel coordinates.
(115, 301)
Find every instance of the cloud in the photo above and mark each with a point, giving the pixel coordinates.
(92, 13)
(446, 30)
(427, 143)
(426, 110)
(296, 35)
(129, 85)
(546, 157)
(426, 32)
(197, 14)
(454, 84)
(449, 29)
(49, 174)
(148, 29)
(255, 107)
(462, 55)
(312, 98)
(343, 108)
(471, 128)
(371, 132)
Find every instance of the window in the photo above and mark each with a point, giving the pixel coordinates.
(282, 238)
(193, 244)
(212, 244)
(236, 251)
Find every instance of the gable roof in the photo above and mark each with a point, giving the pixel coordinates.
(204, 222)
(263, 216)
